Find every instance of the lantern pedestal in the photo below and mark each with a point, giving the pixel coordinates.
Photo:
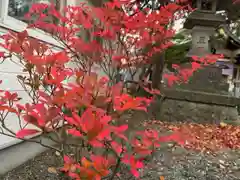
(203, 23)
(201, 41)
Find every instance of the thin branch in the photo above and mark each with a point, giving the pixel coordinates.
(31, 140)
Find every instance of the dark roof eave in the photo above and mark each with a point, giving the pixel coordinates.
(231, 37)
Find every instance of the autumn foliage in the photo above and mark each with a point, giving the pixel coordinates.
(208, 138)
(80, 108)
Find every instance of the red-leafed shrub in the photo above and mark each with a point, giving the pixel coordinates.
(78, 108)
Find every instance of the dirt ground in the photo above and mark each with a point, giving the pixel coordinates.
(171, 163)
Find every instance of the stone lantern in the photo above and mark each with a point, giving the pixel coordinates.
(203, 23)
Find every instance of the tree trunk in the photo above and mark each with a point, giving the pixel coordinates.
(98, 3)
(158, 65)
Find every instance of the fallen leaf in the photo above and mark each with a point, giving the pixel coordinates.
(52, 170)
(57, 153)
(161, 178)
(221, 161)
(222, 124)
(205, 138)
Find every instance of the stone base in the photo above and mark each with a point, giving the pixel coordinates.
(197, 53)
(183, 111)
(199, 107)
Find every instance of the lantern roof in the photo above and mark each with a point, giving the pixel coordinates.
(200, 18)
(205, 14)
(220, 4)
(233, 41)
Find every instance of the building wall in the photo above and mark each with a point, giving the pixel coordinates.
(10, 70)
(8, 74)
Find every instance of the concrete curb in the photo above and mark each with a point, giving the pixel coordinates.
(18, 154)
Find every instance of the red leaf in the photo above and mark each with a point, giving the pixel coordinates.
(134, 164)
(96, 143)
(116, 147)
(152, 91)
(195, 65)
(195, 58)
(67, 159)
(26, 132)
(175, 66)
(74, 132)
(1, 54)
(6, 108)
(22, 35)
(119, 131)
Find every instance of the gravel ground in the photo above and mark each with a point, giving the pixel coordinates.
(182, 164)
(171, 163)
(36, 169)
(177, 164)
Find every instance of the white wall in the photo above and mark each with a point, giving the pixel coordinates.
(8, 74)
(9, 71)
